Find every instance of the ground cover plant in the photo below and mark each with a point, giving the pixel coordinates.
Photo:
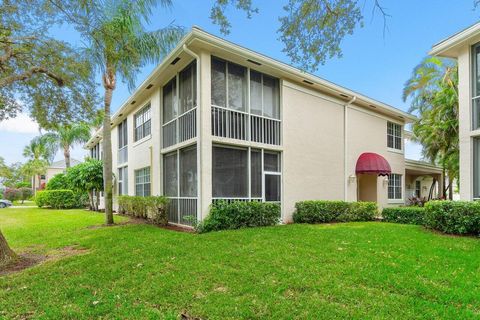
(348, 270)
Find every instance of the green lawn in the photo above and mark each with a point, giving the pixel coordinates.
(354, 270)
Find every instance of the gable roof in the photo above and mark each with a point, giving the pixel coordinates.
(447, 46)
(199, 38)
(60, 164)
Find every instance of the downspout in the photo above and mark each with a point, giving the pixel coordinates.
(345, 147)
(199, 132)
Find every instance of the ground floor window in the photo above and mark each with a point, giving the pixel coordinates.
(142, 182)
(123, 181)
(246, 173)
(476, 168)
(395, 187)
(418, 189)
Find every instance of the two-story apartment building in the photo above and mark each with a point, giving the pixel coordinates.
(218, 121)
(465, 47)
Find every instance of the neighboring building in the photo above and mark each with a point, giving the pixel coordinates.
(465, 47)
(218, 121)
(53, 169)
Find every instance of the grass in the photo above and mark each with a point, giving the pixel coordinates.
(26, 203)
(354, 270)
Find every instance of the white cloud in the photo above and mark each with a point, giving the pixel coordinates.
(20, 124)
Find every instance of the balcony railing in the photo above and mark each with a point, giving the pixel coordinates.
(187, 128)
(240, 125)
(182, 210)
(122, 155)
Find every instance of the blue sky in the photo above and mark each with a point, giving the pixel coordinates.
(373, 64)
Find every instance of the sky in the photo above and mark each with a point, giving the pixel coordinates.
(374, 63)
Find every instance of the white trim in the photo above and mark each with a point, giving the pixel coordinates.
(467, 34)
(399, 151)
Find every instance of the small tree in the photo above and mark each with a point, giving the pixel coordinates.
(87, 177)
(24, 194)
(58, 182)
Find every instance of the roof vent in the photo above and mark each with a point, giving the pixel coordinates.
(121, 114)
(254, 62)
(133, 102)
(149, 86)
(308, 82)
(174, 62)
(372, 106)
(343, 95)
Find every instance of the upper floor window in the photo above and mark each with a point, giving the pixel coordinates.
(229, 85)
(394, 136)
(122, 134)
(95, 152)
(142, 182)
(476, 86)
(142, 121)
(395, 187)
(264, 95)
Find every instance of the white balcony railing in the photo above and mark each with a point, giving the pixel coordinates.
(182, 210)
(240, 125)
(187, 128)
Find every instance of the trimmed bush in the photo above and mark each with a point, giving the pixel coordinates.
(455, 217)
(151, 208)
(324, 211)
(57, 199)
(406, 215)
(240, 214)
(58, 182)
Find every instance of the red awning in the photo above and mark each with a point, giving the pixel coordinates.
(370, 162)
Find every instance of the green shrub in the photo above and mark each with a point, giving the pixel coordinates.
(323, 211)
(151, 208)
(58, 182)
(406, 215)
(455, 217)
(57, 199)
(240, 214)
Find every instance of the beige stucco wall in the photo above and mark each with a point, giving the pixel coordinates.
(52, 172)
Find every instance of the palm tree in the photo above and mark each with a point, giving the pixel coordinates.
(40, 152)
(433, 89)
(119, 46)
(64, 137)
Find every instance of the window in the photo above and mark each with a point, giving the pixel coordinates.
(231, 175)
(123, 181)
(142, 182)
(229, 85)
(170, 101)
(264, 95)
(188, 88)
(476, 168)
(476, 87)
(394, 136)
(122, 134)
(418, 188)
(395, 187)
(181, 163)
(142, 123)
(95, 152)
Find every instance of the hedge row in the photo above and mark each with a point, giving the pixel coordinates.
(406, 215)
(239, 214)
(151, 208)
(321, 211)
(60, 199)
(455, 217)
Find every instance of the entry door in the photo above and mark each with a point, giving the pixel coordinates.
(367, 187)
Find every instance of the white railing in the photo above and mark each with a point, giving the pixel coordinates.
(265, 130)
(230, 200)
(170, 133)
(187, 128)
(182, 210)
(122, 155)
(240, 125)
(187, 125)
(229, 123)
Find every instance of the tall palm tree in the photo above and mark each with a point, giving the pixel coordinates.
(433, 89)
(40, 152)
(119, 46)
(64, 137)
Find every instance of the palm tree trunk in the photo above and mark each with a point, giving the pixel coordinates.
(90, 200)
(66, 155)
(109, 85)
(7, 255)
